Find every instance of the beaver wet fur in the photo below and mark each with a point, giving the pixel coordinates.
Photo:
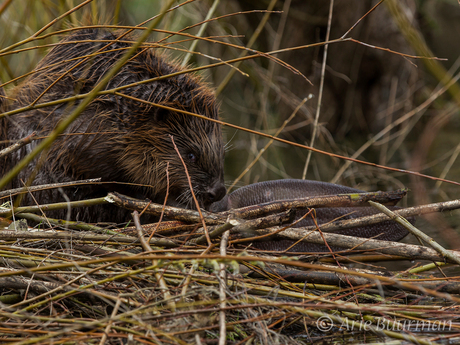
(116, 138)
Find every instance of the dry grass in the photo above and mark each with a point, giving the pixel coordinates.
(77, 284)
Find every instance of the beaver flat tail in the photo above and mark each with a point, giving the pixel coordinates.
(262, 192)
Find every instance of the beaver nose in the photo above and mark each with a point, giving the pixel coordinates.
(216, 192)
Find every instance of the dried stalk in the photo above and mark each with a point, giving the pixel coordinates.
(169, 211)
(16, 146)
(408, 251)
(453, 257)
(48, 186)
(339, 200)
(51, 207)
(158, 275)
(242, 226)
(222, 290)
(81, 237)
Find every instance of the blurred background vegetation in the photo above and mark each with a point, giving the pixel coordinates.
(366, 90)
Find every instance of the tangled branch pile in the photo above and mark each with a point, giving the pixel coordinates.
(198, 277)
(157, 284)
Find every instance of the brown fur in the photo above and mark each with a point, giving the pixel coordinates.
(122, 140)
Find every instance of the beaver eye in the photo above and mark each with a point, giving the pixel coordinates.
(191, 157)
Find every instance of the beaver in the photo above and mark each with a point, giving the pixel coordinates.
(127, 141)
(117, 138)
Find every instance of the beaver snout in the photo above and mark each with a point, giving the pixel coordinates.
(214, 193)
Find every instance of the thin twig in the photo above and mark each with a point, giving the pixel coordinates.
(164, 203)
(448, 165)
(5, 212)
(197, 204)
(252, 40)
(169, 211)
(16, 146)
(360, 19)
(48, 186)
(109, 324)
(395, 123)
(261, 152)
(248, 225)
(200, 32)
(223, 289)
(320, 93)
(416, 232)
(7, 235)
(158, 275)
